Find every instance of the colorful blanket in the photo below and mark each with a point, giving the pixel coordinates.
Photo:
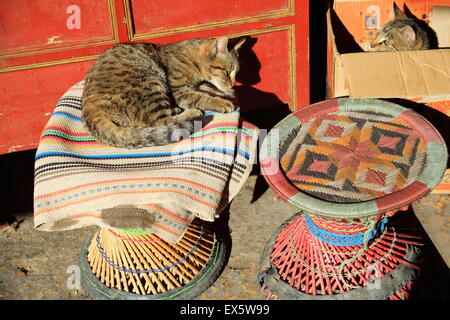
(80, 182)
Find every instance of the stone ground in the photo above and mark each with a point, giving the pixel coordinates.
(35, 264)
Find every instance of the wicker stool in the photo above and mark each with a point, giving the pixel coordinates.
(348, 165)
(81, 182)
(133, 265)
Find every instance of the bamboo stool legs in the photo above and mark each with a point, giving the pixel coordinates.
(135, 265)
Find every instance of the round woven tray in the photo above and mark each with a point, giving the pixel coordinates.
(352, 158)
(119, 264)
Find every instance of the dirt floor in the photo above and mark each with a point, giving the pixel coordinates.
(37, 265)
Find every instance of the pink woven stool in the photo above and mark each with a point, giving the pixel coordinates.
(348, 165)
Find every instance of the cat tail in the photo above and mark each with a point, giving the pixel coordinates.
(107, 131)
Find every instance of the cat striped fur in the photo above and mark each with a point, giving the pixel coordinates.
(402, 33)
(141, 94)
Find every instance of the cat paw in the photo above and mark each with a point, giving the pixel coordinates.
(223, 106)
(191, 114)
(195, 113)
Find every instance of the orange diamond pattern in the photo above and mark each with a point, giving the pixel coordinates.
(352, 156)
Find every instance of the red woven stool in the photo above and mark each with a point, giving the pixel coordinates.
(348, 165)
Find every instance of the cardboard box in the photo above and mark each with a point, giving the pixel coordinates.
(422, 76)
(415, 74)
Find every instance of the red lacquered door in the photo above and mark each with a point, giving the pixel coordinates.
(47, 46)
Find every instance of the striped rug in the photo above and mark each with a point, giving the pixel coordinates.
(80, 182)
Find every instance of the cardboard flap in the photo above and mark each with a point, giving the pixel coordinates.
(440, 23)
(408, 74)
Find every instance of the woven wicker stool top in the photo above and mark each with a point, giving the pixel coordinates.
(352, 158)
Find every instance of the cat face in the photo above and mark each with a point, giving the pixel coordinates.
(401, 33)
(395, 36)
(221, 65)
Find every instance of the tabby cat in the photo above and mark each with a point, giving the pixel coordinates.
(401, 33)
(142, 94)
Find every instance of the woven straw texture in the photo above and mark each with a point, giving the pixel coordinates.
(80, 182)
(298, 263)
(353, 156)
(144, 264)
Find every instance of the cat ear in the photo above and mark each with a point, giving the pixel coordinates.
(408, 35)
(239, 44)
(220, 45)
(398, 14)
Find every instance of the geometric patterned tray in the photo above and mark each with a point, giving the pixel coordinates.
(352, 158)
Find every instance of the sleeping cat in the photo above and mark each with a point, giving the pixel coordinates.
(140, 94)
(402, 33)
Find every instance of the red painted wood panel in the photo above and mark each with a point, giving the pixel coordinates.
(274, 72)
(163, 15)
(43, 59)
(42, 24)
(27, 99)
(266, 74)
